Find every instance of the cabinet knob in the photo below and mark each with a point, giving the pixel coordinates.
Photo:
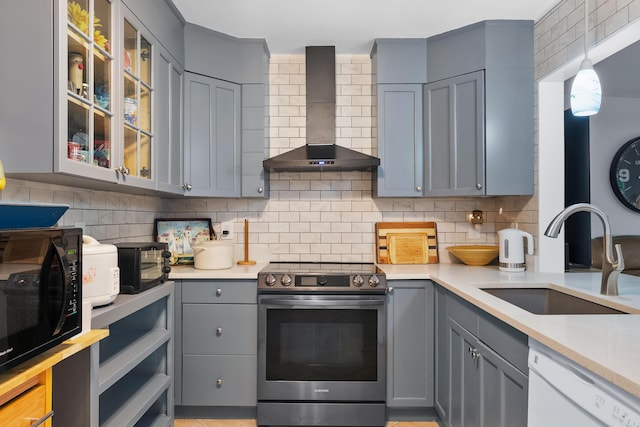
(219, 331)
(186, 186)
(475, 354)
(390, 289)
(260, 190)
(418, 188)
(219, 382)
(479, 186)
(123, 170)
(218, 292)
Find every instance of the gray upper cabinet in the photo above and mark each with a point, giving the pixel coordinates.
(104, 130)
(399, 116)
(503, 50)
(211, 137)
(255, 128)
(399, 68)
(244, 62)
(399, 61)
(454, 149)
(169, 159)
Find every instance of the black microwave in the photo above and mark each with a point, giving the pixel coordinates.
(143, 265)
(40, 291)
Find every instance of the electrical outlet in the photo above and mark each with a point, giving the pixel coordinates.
(226, 230)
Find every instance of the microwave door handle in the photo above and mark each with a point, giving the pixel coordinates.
(46, 269)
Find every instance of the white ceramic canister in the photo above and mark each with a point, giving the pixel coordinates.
(100, 272)
(213, 255)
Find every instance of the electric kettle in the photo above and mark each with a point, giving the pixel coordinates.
(512, 249)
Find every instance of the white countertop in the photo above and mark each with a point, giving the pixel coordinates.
(608, 345)
(235, 272)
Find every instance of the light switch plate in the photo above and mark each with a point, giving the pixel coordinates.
(226, 230)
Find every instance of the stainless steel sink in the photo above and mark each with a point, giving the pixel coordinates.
(549, 301)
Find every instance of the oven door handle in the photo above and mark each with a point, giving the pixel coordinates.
(334, 302)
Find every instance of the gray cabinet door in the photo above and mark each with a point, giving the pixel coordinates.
(211, 137)
(477, 386)
(464, 408)
(503, 390)
(168, 124)
(410, 344)
(454, 149)
(255, 118)
(442, 355)
(399, 140)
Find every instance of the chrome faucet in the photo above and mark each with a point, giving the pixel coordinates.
(611, 267)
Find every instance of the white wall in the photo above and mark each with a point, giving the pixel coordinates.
(617, 122)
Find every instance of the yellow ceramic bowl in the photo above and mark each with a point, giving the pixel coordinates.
(475, 254)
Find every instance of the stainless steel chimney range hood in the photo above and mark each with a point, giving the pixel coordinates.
(321, 152)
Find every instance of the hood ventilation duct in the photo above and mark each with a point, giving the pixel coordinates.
(321, 152)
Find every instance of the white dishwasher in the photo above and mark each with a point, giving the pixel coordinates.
(564, 394)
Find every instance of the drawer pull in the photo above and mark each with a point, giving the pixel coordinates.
(219, 331)
(219, 382)
(41, 421)
(218, 292)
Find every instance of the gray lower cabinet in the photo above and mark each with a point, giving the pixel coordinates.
(132, 369)
(454, 154)
(219, 343)
(399, 118)
(481, 366)
(410, 345)
(212, 160)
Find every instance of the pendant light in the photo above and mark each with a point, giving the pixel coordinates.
(586, 93)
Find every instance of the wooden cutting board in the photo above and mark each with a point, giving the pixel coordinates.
(406, 242)
(408, 248)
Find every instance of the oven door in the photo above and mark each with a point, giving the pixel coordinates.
(321, 348)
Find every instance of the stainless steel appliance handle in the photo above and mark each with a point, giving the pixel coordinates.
(334, 303)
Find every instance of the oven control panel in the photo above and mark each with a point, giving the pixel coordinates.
(313, 282)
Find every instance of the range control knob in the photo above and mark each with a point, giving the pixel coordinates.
(270, 279)
(358, 281)
(286, 280)
(374, 281)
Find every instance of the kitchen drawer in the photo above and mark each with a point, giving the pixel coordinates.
(223, 292)
(23, 410)
(505, 340)
(465, 314)
(219, 329)
(219, 380)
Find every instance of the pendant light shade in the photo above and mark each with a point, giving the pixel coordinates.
(586, 93)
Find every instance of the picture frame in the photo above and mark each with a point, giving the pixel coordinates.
(181, 234)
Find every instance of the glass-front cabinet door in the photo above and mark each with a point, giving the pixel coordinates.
(89, 101)
(138, 139)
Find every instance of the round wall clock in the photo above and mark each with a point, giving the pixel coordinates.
(625, 174)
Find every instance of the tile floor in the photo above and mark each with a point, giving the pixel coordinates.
(252, 423)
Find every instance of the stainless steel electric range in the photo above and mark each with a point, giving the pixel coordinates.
(321, 345)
